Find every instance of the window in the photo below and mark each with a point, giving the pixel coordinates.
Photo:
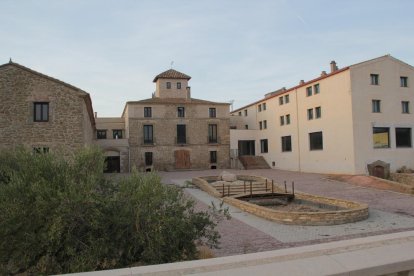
(148, 159)
(259, 107)
(168, 85)
(240, 113)
(147, 112)
(381, 137)
(178, 85)
(101, 134)
(38, 150)
(286, 98)
(265, 124)
(404, 81)
(286, 143)
(246, 126)
(264, 106)
(405, 107)
(376, 106)
(245, 112)
(280, 100)
(148, 134)
(263, 145)
(117, 133)
(181, 134)
(374, 79)
(282, 120)
(181, 112)
(213, 156)
(310, 114)
(212, 112)
(260, 125)
(403, 137)
(318, 112)
(316, 89)
(316, 140)
(41, 112)
(309, 91)
(288, 119)
(212, 133)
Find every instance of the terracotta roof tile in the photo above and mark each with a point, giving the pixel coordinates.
(171, 74)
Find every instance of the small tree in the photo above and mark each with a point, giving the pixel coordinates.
(63, 216)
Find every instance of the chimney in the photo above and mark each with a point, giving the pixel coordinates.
(323, 73)
(188, 92)
(333, 66)
(301, 82)
(96, 114)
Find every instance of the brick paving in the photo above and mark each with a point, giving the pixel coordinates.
(246, 233)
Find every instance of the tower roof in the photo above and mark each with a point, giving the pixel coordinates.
(171, 74)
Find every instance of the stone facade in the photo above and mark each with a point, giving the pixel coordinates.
(70, 124)
(163, 113)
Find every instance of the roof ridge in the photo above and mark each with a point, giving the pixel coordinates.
(171, 74)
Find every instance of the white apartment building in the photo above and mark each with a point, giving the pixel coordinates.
(338, 122)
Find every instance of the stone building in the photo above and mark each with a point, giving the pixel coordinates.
(43, 113)
(173, 131)
(339, 122)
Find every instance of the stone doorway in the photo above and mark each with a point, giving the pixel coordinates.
(182, 159)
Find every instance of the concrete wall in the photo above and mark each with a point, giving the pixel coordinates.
(391, 94)
(69, 127)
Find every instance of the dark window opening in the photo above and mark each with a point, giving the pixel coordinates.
(213, 167)
(318, 112)
(403, 137)
(168, 85)
(147, 112)
(316, 89)
(404, 81)
(288, 119)
(181, 134)
(245, 112)
(101, 134)
(286, 143)
(148, 134)
(286, 98)
(117, 133)
(259, 107)
(309, 91)
(310, 114)
(316, 140)
(265, 124)
(263, 146)
(260, 125)
(41, 112)
(264, 106)
(374, 79)
(376, 106)
(213, 156)
(405, 107)
(148, 159)
(181, 112)
(282, 120)
(212, 133)
(112, 164)
(381, 137)
(178, 85)
(212, 112)
(280, 100)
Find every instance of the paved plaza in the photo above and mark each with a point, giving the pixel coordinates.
(245, 233)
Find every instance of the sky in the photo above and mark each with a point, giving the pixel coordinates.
(233, 50)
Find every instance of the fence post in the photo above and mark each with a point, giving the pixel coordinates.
(223, 190)
(266, 185)
(250, 188)
(293, 188)
(272, 186)
(285, 188)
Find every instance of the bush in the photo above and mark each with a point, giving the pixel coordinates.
(60, 217)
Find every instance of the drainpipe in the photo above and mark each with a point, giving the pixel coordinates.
(298, 128)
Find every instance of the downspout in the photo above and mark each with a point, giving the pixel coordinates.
(297, 128)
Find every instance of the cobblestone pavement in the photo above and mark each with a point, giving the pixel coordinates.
(246, 233)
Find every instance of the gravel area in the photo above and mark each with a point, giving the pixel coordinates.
(246, 233)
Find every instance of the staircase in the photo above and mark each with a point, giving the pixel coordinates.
(253, 162)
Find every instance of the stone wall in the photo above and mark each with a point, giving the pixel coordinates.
(68, 128)
(165, 122)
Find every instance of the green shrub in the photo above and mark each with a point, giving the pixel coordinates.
(59, 217)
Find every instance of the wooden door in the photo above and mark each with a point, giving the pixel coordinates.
(182, 159)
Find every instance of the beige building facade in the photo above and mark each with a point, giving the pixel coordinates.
(337, 123)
